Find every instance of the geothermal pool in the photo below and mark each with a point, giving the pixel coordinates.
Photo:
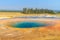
(28, 24)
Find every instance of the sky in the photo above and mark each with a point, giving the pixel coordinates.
(19, 4)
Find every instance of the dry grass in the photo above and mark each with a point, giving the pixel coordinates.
(11, 14)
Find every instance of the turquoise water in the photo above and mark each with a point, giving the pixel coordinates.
(28, 24)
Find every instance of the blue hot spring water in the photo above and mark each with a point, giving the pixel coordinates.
(28, 24)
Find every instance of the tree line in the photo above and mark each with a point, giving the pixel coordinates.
(37, 11)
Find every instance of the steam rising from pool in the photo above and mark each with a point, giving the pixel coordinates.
(28, 24)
